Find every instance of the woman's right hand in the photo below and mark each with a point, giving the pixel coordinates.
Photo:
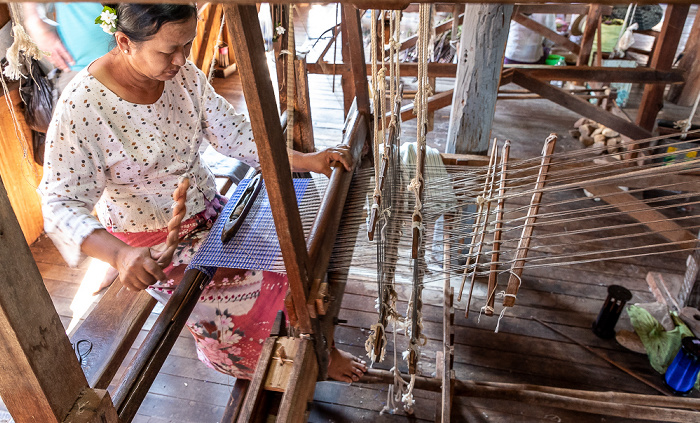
(138, 269)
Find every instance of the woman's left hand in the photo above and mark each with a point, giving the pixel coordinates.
(322, 161)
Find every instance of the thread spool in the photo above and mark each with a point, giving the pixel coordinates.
(683, 372)
(604, 325)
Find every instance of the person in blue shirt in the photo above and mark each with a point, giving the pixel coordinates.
(72, 41)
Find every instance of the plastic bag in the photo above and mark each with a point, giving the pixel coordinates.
(626, 40)
(661, 345)
(36, 91)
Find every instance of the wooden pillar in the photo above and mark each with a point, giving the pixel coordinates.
(242, 22)
(41, 380)
(353, 46)
(685, 94)
(19, 172)
(594, 13)
(345, 78)
(662, 59)
(303, 123)
(482, 45)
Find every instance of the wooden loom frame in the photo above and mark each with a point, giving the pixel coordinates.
(42, 363)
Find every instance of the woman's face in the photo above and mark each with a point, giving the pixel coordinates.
(162, 56)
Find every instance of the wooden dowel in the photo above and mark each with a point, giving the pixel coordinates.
(490, 179)
(516, 270)
(374, 211)
(477, 222)
(493, 275)
(417, 219)
(392, 141)
(604, 357)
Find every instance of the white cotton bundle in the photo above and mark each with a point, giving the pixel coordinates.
(22, 44)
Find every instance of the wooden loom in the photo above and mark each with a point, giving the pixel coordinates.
(305, 267)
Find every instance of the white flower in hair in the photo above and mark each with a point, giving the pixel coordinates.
(107, 28)
(108, 18)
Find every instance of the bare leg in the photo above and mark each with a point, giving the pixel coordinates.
(344, 366)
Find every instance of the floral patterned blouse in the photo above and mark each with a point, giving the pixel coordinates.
(125, 159)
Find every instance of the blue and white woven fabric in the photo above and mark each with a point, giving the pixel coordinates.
(256, 245)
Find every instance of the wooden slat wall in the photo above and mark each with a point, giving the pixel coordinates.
(19, 173)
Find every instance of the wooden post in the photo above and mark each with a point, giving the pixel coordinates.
(242, 22)
(345, 77)
(484, 35)
(685, 95)
(662, 59)
(21, 174)
(303, 124)
(41, 379)
(594, 13)
(356, 56)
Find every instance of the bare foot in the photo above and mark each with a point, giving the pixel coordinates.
(345, 367)
(110, 276)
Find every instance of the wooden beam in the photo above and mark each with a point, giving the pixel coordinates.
(242, 22)
(571, 102)
(41, 378)
(345, 78)
(302, 383)
(93, 406)
(640, 211)
(662, 59)
(352, 39)
(447, 25)
(207, 34)
(144, 367)
(252, 404)
(18, 168)
(685, 95)
(323, 232)
(564, 9)
(600, 74)
(303, 123)
(547, 33)
(568, 73)
(594, 13)
(235, 401)
(435, 102)
(112, 326)
(632, 406)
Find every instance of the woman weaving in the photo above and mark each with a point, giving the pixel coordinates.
(125, 133)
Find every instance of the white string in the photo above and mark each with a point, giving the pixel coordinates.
(689, 122)
(503, 312)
